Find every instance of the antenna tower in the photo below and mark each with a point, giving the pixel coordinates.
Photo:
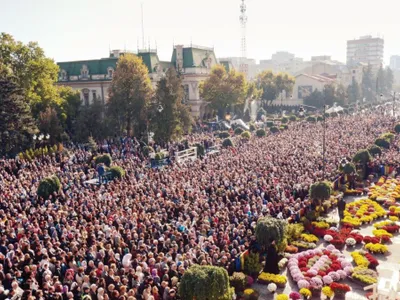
(143, 45)
(243, 22)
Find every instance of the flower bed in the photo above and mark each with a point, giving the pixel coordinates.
(376, 248)
(266, 278)
(314, 268)
(304, 245)
(342, 237)
(364, 275)
(385, 189)
(389, 226)
(339, 289)
(364, 259)
(362, 211)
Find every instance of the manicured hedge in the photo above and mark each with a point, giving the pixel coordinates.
(48, 186)
(104, 159)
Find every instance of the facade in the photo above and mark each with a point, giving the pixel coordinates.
(395, 62)
(306, 84)
(282, 61)
(237, 61)
(93, 77)
(366, 49)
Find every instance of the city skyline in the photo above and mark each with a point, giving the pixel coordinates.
(87, 30)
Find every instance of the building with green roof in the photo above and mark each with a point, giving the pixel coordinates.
(93, 77)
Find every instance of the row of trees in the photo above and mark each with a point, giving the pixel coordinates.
(369, 89)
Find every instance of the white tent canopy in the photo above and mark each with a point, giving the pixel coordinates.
(334, 109)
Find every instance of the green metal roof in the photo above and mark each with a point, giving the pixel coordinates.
(96, 67)
(195, 57)
(150, 59)
(227, 65)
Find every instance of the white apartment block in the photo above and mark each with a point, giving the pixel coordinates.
(366, 49)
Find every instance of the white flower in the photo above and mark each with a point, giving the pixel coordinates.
(350, 242)
(272, 287)
(328, 238)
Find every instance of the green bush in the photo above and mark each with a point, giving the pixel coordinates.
(292, 118)
(48, 186)
(117, 172)
(104, 159)
(261, 112)
(362, 156)
(383, 143)
(260, 132)
(284, 120)
(294, 231)
(349, 168)
(375, 150)
(159, 156)
(224, 134)
(268, 229)
(227, 143)
(246, 135)
(320, 190)
(270, 123)
(397, 128)
(274, 129)
(311, 119)
(320, 118)
(252, 264)
(238, 280)
(147, 150)
(238, 131)
(334, 114)
(387, 136)
(252, 127)
(205, 283)
(284, 127)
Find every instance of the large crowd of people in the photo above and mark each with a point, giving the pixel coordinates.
(134, 238)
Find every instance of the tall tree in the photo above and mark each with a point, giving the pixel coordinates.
(284, 82)
(70, 106)
(329, 94)
(389, 80)
(32, 71)
(16, 123)
(267, 83)
(316, 98)
(367, 84)
(49, 123)
(381, 81)
(130, 93)
(91, 122)
(174, 119)
(223, 90)
(341, 95)
(353, 91)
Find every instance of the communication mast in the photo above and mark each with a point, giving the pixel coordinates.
(243, 21)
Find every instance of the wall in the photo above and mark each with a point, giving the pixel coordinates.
(302, 81)
(91, 86)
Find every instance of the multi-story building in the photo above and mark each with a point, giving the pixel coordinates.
(93, 77)
(366, 49)
(282, 61)
(237, 61)
(395, 62)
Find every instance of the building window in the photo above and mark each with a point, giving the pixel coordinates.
(84, 72)
(110, 72)
(85, 93)
(186, 93)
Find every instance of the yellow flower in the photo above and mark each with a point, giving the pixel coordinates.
(376, 248)
(248, 292)
(309, 238)
(305, 292)
(321, 224)
(282, 297)
(278, 279)
(359, 259)
(327, 291)
(393, 218)
(381, 232)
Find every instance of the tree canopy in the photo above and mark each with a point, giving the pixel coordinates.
(130, 94)
(223, 89)
(272, 85)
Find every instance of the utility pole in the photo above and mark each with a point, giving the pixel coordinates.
(243, 22)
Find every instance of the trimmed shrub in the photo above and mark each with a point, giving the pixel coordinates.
(284, 120)
(261, 112)
(320, 118)
(270, 123)
(334, 114)
(388, 136)
(362, 156)
(104, 159)
(349, 168)
(48, 186)
(397, 128)
(260, 132)
(238, 131)
(117, 172)
(159, 156)
(224, 134)
(204, 283)
(252, 127)
(284, 127)
(238, 280)
(292, 118)
(383, 143)
(147, 150)
(311, 119)
(274, 129)
(375, 150)
(227, 143)
(320, 190)
(269, 229)
(246, 135)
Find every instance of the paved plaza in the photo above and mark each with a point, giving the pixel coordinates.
(389, 262)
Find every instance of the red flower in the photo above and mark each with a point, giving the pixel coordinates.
(340, 287)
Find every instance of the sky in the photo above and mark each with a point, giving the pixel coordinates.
(86, 29)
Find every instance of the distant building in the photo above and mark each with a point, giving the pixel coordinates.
(282, 61)
(93, 77)
(395, 62)
(366, 49)
(306, 84)
(236, 61)
(320, 58)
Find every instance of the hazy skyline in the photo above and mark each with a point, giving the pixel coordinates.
(86, 29)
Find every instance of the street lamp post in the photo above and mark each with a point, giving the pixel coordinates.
(323, 143)
(41, 138)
